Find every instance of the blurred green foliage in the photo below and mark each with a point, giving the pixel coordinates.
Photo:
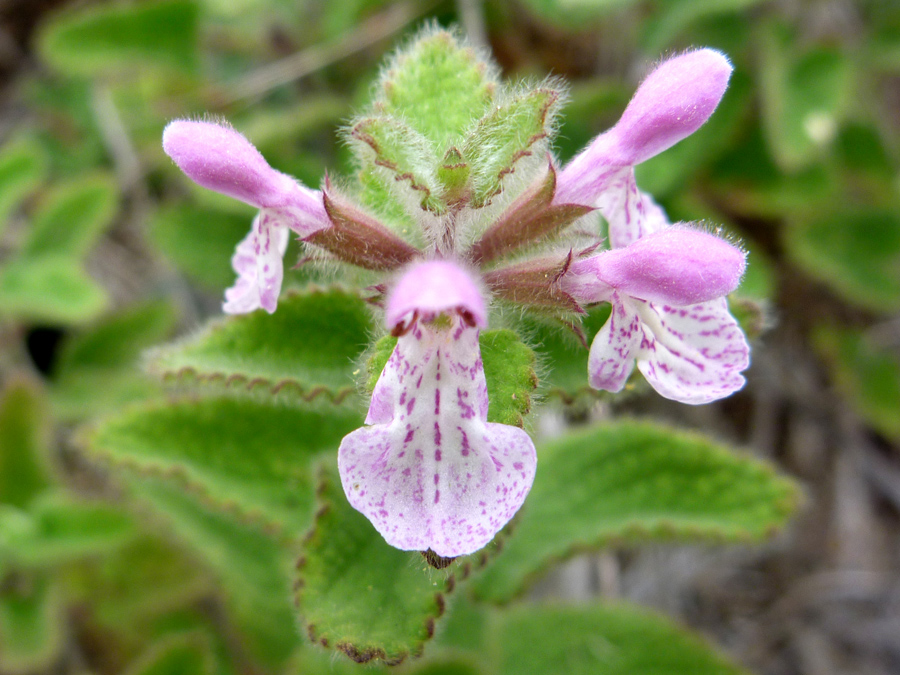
(105, 244)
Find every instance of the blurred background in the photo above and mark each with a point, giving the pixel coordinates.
(105, 250)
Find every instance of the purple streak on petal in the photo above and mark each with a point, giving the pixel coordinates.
(692, 354)
(611, 358)
(437, 477)
(219, 158)
(677, 266)
(433, 287)
(258, 263)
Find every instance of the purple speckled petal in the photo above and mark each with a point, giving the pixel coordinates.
(219, 158)
(692, 354)
(258, 263)
(432, 287)
(611, 359)
(431, 472)
(677, 266)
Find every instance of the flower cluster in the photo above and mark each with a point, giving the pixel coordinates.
(428, 469)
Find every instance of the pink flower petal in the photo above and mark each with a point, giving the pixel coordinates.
(258, 263)
(677, 266)
(219, 158)
(431, 472)
(671, 104)
(692, 354)
(432, 287)
(612, 354)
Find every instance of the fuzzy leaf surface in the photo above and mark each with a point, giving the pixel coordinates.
(243, 455)
(508, 368)
(360, 595)
(438, 87)
(635, 481)
(609, 639)
(309, 346)
(505, 135)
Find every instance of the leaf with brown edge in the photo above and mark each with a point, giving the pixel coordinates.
(307, 348)
(359, 595)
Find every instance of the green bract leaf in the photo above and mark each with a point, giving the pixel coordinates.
(308, 347)
(508, 369)
(72, 216)
(24, 440)
(252, 569)
(242, 455)
(635, 481)
(51, 288)
(22, 168)
(868, 376)
(108, 38)
(405, 156)
(855, 251)
(600, 640)
(360, 595)
(31, 616)
(511, 131)
(438, 87)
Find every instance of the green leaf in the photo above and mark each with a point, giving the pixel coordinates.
(856, 251)
(402, 153)
(672, 19)
(438, 87)
(72, 216)
(359, 595)
(200, 241)
(100, 39)
(253, 571)
(509, 132)
(868, 376)
(610, 639)
(635, 481)
(22, 168)
(31, 616)
(51, 289)
(804, 97)
(178, 655)
(132, 587)
(508, 368)
(62, 529)
(564, 357)
(308, 347)
(96, 370)
(24, 443)
(246, 456)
